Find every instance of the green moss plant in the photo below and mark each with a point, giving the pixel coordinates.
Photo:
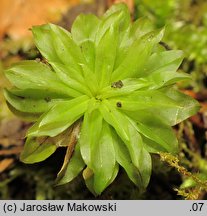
(106, 94)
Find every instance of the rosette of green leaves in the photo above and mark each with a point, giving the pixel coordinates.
(106, 93)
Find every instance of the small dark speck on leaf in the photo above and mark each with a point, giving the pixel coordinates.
(118, 104)
(118, 84)
(20, 97)
(47, 99)
(98, 99)
(81, 47)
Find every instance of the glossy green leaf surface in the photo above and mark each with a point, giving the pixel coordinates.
(37, 150)
(123, 158)
(90, 135)
(84, 28)
(164, 61)
(136, 56)
(126, 129)
(156, 130)
(31, 117)
(188, 107)
(59, 117)
(27, 105)
(88, 50)
(105, 56)
(141, 100)
(103, 160)
(36, 75)
(106, 94)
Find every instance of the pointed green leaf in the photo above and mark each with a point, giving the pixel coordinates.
(39, 94)
(44, 42)
(84, 28)
(171, 115)
(122, 20)
(103, 159)
(125, 19)
(116, 17)
(160, 69)
(145, 166)
(31, 117)
(137, 55)
(90, 79)
(159, 79)
(163, 61)
(154, 128)
(68, 71)
(135, 144)
(88, 176)
(28, 105)
(90, 134)
(187, 107)
(133, 32)
(140, 174)
(36, 75)
(88, 50)
(142, 100)
(115, 172)
(140, 27)
(123, 158)
(125, 128)
(65, 75)
(36, 150)
(116, 120)
(152, 146)
(68, 51)
(105, 56)
(59, 117)
(59, 41)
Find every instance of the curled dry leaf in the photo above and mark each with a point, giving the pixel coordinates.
(72, 141)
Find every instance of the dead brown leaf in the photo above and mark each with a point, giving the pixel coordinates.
(4, 164)
(12, 132)
(16, 17)
(13, 151)
(72, 141)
